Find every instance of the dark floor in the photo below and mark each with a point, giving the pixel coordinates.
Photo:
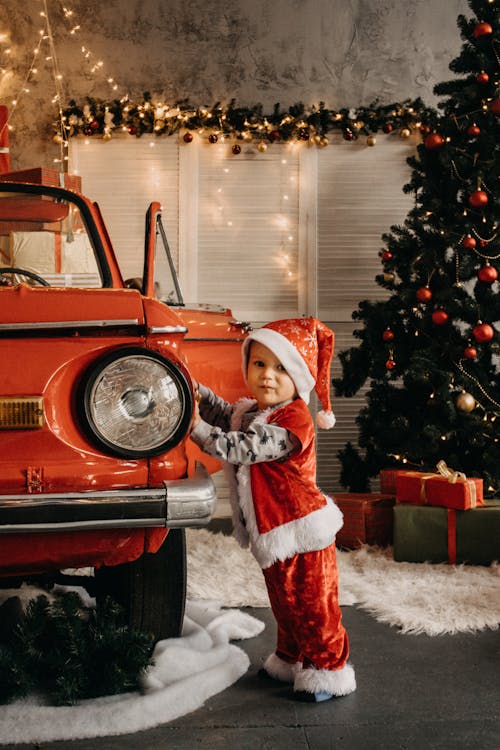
(414, 693)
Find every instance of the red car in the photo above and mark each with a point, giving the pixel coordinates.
(96, 400)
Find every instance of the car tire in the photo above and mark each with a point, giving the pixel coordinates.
(152, 589)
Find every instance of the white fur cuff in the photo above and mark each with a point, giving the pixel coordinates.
(337, 682)
(280, 669)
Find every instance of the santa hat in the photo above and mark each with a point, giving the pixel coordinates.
(304, 347)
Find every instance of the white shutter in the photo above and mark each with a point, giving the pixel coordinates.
(248, 230)
(123, 176)
(359, 197)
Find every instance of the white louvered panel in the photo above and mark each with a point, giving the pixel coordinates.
(329, 442)
(124, 175)
(247, 230)
(359, 197)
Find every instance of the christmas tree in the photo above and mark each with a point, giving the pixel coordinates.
(430, 351)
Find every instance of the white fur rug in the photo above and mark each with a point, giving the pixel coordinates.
(186, 672)
(415, 597)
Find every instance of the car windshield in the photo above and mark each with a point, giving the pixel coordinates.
(46, 237)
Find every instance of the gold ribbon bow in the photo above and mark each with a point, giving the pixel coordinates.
(449, 474)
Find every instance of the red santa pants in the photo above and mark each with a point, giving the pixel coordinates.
(303, 591)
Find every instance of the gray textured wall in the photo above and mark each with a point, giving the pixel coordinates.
(342, 52)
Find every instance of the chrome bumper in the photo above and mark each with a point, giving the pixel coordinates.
(180, 502)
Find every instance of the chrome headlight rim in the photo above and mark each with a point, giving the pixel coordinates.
(95, 372)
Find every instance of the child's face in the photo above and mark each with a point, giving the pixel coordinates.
(267, 379)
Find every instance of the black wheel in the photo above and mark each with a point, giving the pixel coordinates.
(152, 589)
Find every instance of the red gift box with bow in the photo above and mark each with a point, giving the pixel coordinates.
(445, 489)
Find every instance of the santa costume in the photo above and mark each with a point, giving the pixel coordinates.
(281, 514)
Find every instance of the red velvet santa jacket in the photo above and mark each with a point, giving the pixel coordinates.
(277, 507)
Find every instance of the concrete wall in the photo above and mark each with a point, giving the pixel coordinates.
(342, 52)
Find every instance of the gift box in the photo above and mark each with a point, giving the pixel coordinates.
(387, 479)
(437, 535)
(367, 519)
(45, 176)
(451, 490)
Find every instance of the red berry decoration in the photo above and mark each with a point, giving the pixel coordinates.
(94, 125)
(132, 130)
(274, 135)
(424, 129)
(482, 78)
(470, 352)
(390, 364)
(387, 255)
(388, 335)
(212, 138)
(483, 332)
(469, 242)
(478, 199)
(89, 131)
(187, 137)
(433, 141)
(424, 294)
(495, 107)
(236, 149)
(473, 130)
(482, 29)
(348, 135)
(488, 274)
(387, 128)
(440, 317)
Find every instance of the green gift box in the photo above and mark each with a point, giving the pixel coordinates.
(431, 534)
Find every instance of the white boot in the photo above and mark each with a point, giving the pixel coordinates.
(322, 684)
(281, 670)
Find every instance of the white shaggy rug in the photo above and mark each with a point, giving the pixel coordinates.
(415, 597)
(186, 672)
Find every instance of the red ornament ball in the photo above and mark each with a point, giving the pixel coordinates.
(478, 199)
(388, 335)
(94, 125)
(473, 130)
(469, 242)
(433, 141)
(390, 364)
(274, 135)
(387, 255)
(482, 29)
(483, 332)
(348, 135)
(440, 317)
(482, 78)
(424, 294)
(187, 137)
(132, 130)
(212, 138)
(495, 107)
(470, 352)
(488, 274)
(387, 128)
(236, 149)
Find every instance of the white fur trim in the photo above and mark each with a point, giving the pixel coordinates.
(280, 669)
(336, 681)
(325, 419)
(290, 358)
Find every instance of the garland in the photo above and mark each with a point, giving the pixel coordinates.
(100, 118)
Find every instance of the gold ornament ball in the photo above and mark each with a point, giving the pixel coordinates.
(106, 137)
(57, 138)
(262, 147)
(466, 402)
(388, 277)
(371, 140)
(405, 133)
(324, 142)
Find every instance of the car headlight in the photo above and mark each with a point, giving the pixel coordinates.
(137, 403)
